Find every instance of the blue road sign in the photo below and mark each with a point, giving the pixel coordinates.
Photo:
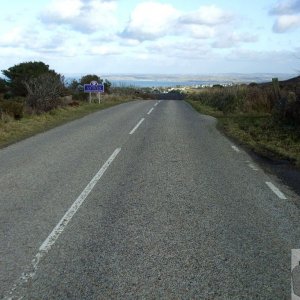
(93, 88)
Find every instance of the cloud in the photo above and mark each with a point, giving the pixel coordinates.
(289, 7)
(12, 37)
(151, 20)
(283, 56)
(233, 40)
(189, 49)
(105, 50)
(36, 41)
(85, 16)
(288, 15)
(199, 31)
(207, 15)
(286, 22)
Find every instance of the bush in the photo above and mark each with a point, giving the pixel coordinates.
(223, 99)
(44, 92)
(80, 96)
(292, 109)
(257, 100)
(23, 72)
(14, 109)
(74, 103)
(238, 98)
(3, 86)
(87, 79)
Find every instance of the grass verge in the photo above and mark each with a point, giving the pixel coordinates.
(12, 130)
(258, 132)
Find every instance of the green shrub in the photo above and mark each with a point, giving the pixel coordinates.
(292, 109)
(239, 98)
(223, 99)
(14, 109)
(80, 96)
(25, 71)
(44, 92)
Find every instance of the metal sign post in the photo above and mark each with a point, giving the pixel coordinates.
(94, 87)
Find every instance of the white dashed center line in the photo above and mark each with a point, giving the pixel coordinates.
(150, 111)
(276, 190)
(235, 148)
(253, 167)
(137, 126)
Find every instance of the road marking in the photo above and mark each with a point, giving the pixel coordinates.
(150, 111)
(136, 126)
(235, 148)
(59, 228)
(253, 167)
(156, 104)
(276, 190)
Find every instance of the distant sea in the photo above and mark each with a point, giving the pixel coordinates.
(161, 80)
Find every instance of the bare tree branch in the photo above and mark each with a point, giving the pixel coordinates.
(44, 91)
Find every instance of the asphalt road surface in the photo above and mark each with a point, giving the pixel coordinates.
(143, 200)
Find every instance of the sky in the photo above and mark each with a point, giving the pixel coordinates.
(152, 37)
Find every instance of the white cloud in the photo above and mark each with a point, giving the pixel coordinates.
(12, 37)
(286, 7)
(151, 20)
(232, 40)
(271, 57)
(105, 50)
(286, 22)
(82, 15)
(200, 31)
(207, 15)
(288, 15)
(63, 10)
(36, 41)
(188, 49)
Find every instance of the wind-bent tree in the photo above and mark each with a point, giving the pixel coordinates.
(23, 72)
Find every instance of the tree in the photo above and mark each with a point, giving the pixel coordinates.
(87, 79)
(3, 85)
(107, 85)
(44, 91)
(73, 86)
(23, 72)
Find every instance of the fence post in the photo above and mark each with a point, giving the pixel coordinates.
(276, 88)
(280, 102)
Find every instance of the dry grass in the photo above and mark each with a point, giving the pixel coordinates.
(15, 130)
(258, 132)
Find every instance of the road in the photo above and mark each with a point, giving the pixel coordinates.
(142, 200)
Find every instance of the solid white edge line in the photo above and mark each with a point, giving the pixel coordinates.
(59, 228)
(276, 191)
(150, 111)
(235, 148)
(252, 167)
(137, 126)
